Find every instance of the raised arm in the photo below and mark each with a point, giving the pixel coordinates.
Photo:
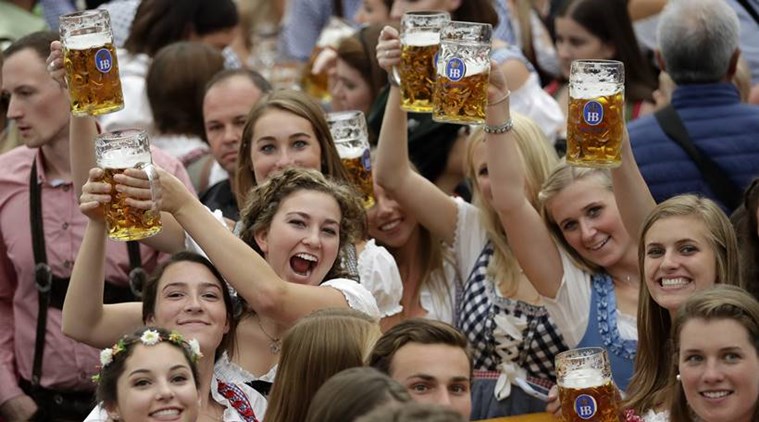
(634, 200)
(82, 132)
(529, 238)
(85, 318)
(433, 208)
(241, 266)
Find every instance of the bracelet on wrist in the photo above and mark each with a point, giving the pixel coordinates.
(499, 129)
(499, 101)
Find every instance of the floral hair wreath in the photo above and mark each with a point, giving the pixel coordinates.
(149, 337)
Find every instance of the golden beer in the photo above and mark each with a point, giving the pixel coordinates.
(315, 85)
(594, 131)
(595, 117)
(462, 73)
(360, 171)
(89, 58)
(417, 70)
(597, 404)
(461, 101)
(123, 221)
(348, 129)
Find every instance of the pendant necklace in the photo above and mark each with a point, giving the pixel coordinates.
(275, 343)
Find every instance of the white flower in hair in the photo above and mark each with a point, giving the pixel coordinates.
(106, 357)
(195, 348)
(150, 337)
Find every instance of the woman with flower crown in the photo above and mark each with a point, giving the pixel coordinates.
(186, 294)
(297, 220)
(151, 373)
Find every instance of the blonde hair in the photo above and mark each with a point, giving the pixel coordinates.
(538, 158)
(561, 177)
(317, 347)
(648, 386)
(719, 303)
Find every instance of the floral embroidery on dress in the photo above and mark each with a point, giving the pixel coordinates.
(238, 400)
(607, 318)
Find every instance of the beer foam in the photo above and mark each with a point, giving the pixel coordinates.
(121, 159)
(476, 68)
(85, 41)
(348, 151)
(421, 39)
(594, 90)
(584, 378)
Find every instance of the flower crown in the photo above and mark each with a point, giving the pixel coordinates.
(149, 337)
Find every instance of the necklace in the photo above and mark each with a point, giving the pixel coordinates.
(275, 343)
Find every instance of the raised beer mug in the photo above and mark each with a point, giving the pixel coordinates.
(586, 390)
(116, 152)
(351, 138)
(463, 73)
(595, 118)
(420, 42)
(89, 57)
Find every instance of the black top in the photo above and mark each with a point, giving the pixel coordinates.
(220, 196)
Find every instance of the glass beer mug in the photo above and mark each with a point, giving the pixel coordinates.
(586, 390)
(351, 138)
(595, 117)
(89, 57)
(420, 42)
(116, 152)
(463, 73)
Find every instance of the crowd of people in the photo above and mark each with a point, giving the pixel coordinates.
(273, 294)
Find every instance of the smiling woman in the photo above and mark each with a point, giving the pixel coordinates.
(716, 341)
(149, 374)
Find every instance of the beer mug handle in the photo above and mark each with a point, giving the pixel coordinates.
(152, 174)
(394, 77)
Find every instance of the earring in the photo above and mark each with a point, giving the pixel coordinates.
(677, 377)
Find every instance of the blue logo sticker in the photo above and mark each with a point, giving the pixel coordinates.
(366, 160)
(593, 113)
(103, 60)
(455, 69)
(585, 406)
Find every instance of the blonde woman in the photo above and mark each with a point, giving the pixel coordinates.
(512, 337)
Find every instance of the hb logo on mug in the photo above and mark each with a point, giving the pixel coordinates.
(585, 406)
(593, 113)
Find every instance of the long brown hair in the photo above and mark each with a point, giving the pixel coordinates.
(648, 387)
(315, 348)
(301, 105)
(264, 201)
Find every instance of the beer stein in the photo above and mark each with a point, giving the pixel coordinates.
(351, 138)
(586, 390)
(463, 73)
(317, 84)
(116, 152)
(420, 42)
(595, 117)
(89, 57)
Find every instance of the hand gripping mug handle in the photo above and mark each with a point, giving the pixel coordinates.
(152, 174)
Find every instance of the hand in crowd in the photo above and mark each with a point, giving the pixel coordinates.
(21, 408)
(166, 194)
(55, 63)
(553, 405)
(389, 48)
(498, 88)
(94, 193)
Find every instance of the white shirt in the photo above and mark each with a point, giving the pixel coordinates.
(570, 309)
